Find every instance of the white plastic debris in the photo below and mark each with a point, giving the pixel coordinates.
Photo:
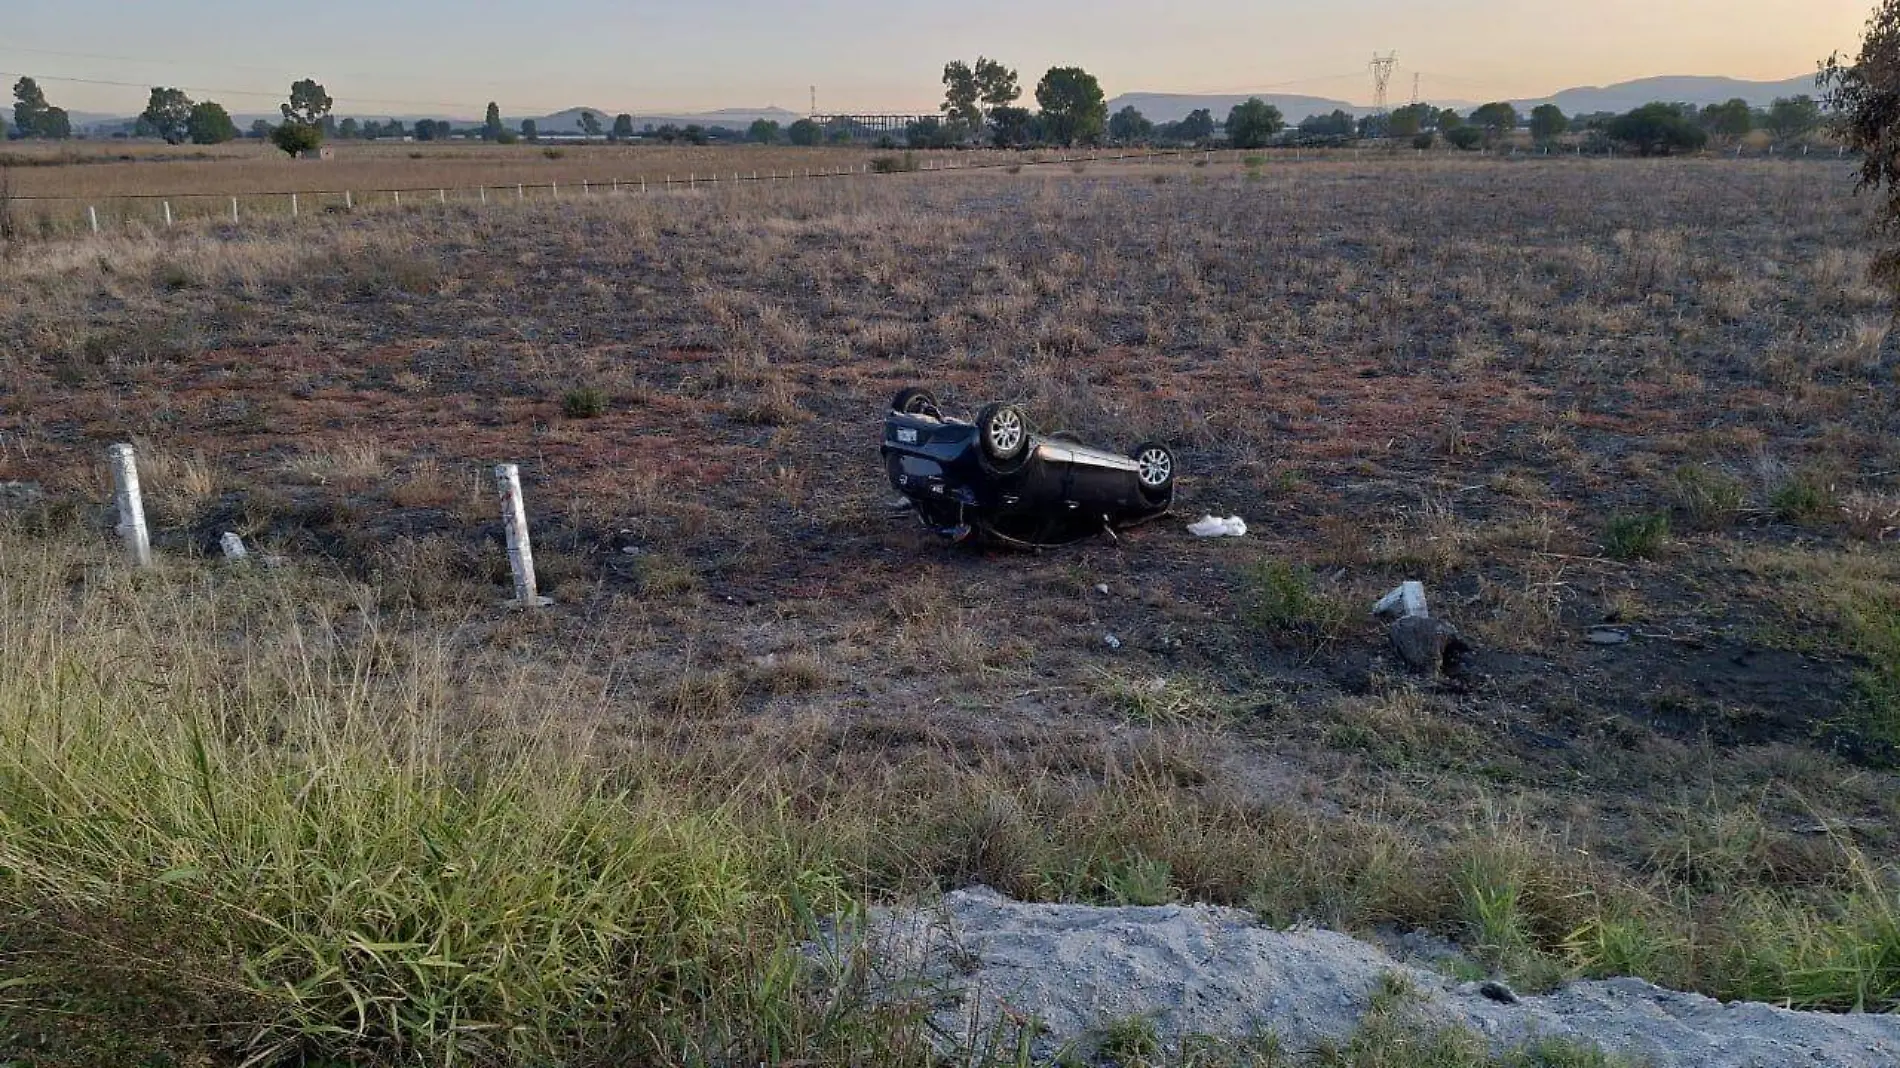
(1102, 588)
(1111, 641)
(1215, 527)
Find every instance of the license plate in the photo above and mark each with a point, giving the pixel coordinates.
(908, 437)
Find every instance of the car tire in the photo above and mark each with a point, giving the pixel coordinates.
(914, 401)
(1156, 474)
(1002, 434)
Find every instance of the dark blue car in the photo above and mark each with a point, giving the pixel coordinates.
(996, 478)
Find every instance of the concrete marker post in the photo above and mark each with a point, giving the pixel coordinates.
(92, 213)
(293, 205)
(168, 212)
(234, 213)
(514, 517)
(520, 193)
(125, 486)
(441, 196)
(585, 188)
(483, 190)
(349, 201)
(398, 195)
(233, 546)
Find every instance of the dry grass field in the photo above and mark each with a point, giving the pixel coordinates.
(1658, 395)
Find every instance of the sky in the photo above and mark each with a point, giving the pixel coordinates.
(641, 56)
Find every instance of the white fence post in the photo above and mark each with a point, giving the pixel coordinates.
(520, 193)
(554, 190)
(514, 516)
(441, 196)
(586, 189)
(234, 214)
(398, 195)
(125, 484)
(168, 212)
(293, 205)
(93, 214)
(349, 202)
(484, 193)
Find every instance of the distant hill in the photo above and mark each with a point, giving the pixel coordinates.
(1690, 90)
(1172, 107)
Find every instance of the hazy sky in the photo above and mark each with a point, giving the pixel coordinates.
(427, 56)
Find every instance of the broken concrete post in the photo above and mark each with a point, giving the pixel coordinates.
(233, 545)
(125, 484)
(514, 517)
(1425, 644)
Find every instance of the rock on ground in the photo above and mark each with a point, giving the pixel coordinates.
(992, 963)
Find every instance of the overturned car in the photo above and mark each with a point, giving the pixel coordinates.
(994, 478)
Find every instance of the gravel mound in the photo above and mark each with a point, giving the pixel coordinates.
(991, 963)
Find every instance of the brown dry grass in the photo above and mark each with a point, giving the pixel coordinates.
(1458, 370)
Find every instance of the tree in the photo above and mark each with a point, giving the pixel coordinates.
(1198, 126)
(1730, 121)
(1448, 119)
(296, 138)
(1496, 119)
(309, 104)
(805, 132)
(530, 130)
(492, 128)
(1337, 124)
(168, 114)
(1548, 123)
(260, 129)
(996, 84)
(1129, 126)
(590, 125)
(1409, 120)
(349, 129)
(1791, 116)
(1465, 138)
(210, 124)
(425, 129)
(1011, 126)
(34, 117)
(694, 133)
(1658, 130)
(1073, 108)
(623, 127)
(763, 131)
(962, 95)
(1864, 95)
(1252, 122)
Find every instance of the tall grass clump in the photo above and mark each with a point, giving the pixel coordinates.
(274, 826)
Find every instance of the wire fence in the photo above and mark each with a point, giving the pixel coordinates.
(60, 215)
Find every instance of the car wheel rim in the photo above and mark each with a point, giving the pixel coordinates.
(1006, 433)
(1156, 468)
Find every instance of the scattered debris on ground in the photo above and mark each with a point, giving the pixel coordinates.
(1068, 973)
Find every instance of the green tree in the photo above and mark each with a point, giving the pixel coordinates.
(805, 132)
(962, 95)
(349, 129)
(309, 104)
(1129, 126)
(1728, 121)
(1496, 119)
(996, 83)
(34, 117)
(295, 138)
(1791, 116)
(1658, 130)
(425, 129)
(623, 127)
(492, 128)
(210, 124)
(763, 131)
(1251, 123)
(590, 125)
(1198, 126)
(1073, 108)
(1864, 95)
(1448, 119)
(1409, 120)
(1465, 138)
(1011, 126)
(260, 129)
(168, 114)
(1337, 124)
(530, 130)
(1548, 123)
